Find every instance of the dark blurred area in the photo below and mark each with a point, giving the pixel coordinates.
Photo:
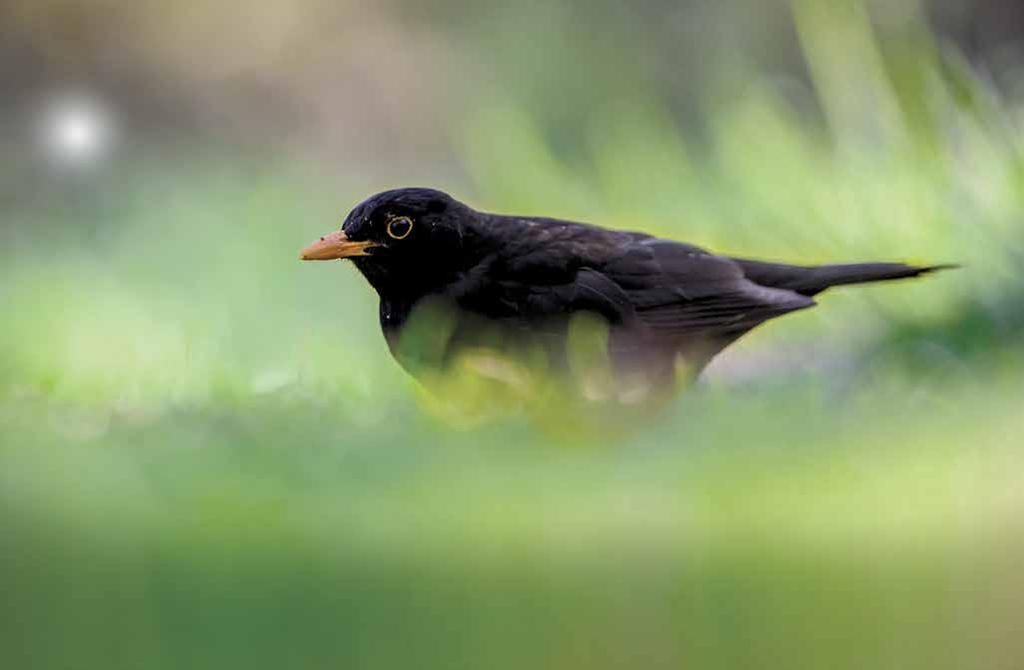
(385, 83)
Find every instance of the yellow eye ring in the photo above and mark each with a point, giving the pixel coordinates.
(403, 229)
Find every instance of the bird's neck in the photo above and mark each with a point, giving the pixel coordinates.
(394, 313)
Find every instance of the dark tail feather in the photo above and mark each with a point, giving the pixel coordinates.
(811, 280)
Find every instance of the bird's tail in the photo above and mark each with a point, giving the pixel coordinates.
(811, 280)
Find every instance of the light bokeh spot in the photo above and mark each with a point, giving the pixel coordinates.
(77, 130)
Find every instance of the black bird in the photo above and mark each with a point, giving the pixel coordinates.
(514, 282)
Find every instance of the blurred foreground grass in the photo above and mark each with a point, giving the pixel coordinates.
(208, 459)
(810, 528)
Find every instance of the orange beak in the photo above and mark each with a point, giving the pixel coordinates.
(335, 245)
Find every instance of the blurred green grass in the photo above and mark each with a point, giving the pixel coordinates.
(208, 459)
(273, 531)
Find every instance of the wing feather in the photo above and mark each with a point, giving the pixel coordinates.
(661, 298)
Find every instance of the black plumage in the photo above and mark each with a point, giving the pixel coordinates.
(513, 283)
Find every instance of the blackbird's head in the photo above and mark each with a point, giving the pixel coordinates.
(404, 240)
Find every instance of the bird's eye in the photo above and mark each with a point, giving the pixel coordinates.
(400, 227)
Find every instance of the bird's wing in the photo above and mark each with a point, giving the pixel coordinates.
(660, 297)
(673, 287)
(691, 303)
(679, 289)
(544, 268)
